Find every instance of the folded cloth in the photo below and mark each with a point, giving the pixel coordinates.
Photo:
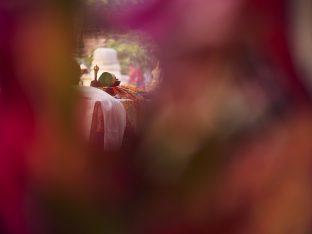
(113, 112)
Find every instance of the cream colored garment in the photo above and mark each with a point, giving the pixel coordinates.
(113, 112)
(301, 37)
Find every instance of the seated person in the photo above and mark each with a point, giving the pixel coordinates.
(114, 115)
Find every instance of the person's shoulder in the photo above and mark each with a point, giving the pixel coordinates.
(94, 93)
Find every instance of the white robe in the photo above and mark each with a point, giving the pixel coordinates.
(113, 112)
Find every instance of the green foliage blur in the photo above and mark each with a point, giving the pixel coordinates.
(132, 49)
